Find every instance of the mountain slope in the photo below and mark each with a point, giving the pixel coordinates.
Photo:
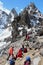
(3, 19)
(5, 26)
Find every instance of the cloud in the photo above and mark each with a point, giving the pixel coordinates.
(21, 9)
(1, 5)
(3, 8)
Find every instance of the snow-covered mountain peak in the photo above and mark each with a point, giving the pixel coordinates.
(12, 15)
(3, 18)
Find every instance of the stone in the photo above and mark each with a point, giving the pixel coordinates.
(41, 52)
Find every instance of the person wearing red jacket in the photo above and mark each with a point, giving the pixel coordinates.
(19, 54)
(27, 37)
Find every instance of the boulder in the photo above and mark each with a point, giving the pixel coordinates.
(41, 52)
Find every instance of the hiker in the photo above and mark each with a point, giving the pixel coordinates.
(28, 61)
(23, 49)
(19, 54)
(10, 52)
(27, 37)
(12, 60)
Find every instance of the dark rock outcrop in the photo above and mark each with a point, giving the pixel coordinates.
(30, 16)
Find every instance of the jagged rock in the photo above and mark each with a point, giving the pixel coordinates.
(36, 45)
(12, 15)
(41, 52)
(22, 20)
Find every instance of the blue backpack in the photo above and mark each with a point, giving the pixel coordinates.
(12, 62)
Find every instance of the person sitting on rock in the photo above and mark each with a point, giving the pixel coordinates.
(28, 61)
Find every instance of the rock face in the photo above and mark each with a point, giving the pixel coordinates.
(20, 20)
(5, 24)
(30, 16)
(12, 15)
(25, 20)
(5, 31)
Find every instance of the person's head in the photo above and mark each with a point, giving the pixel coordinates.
(22, 45)
(12, 46)
(28, 58)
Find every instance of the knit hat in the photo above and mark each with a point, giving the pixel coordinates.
(28, 58)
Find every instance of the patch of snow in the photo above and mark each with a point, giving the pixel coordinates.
(37, 10)
(26, 27)
(3, 8)
(2, 43)
(36, 60)
(1, 26)
(12, 17)
(21, 33)
(6, 33)
(28, 30)
(20, 28)
(37, 21)
(1, 30)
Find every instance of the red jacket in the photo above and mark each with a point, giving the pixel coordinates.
(19, 54)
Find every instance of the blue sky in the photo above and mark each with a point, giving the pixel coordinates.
(20, 4)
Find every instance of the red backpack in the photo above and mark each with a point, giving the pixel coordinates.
(25, 50)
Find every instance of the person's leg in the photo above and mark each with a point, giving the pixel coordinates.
(8, 57)
(12, 55)
(12, 63)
